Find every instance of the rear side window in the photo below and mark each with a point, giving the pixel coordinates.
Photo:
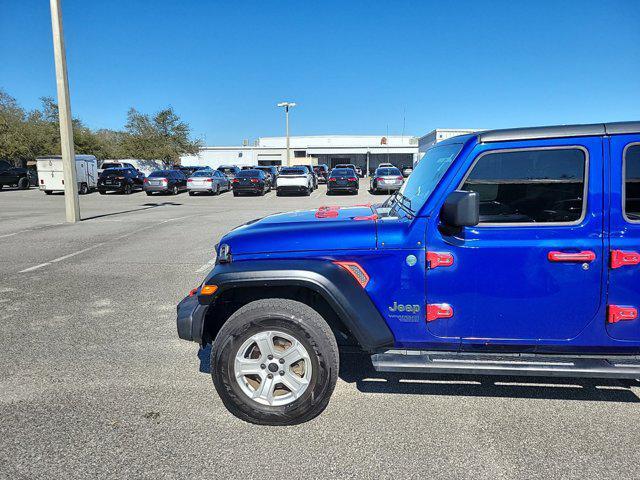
(530, 186)
(632, 183)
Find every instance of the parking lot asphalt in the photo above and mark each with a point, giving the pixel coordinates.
(94, 381)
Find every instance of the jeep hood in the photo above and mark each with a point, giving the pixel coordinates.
(328, 228)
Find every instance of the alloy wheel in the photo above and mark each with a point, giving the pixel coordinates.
(273, 368)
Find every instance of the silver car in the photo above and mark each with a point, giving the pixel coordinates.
(386, 179)
(208, 181)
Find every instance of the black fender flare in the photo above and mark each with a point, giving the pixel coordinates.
(342, 292)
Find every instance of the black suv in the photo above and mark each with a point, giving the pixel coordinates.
(13, 176)
(343, 180)
(124, 180)
(251, 181)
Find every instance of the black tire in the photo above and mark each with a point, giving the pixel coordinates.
(191, 194)
(48, 192)
(217, 190)
(295, 319)
(308, 191)
(278, 193)
(102, 192)
(127, 189)
(235, 194)
(23, 183)
(175, 190)
(149, 193)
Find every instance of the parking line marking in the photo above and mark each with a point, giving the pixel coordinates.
(64, 257)
(35, 267)
(92, 247)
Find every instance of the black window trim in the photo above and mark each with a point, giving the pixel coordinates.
(585, 193)
(624, 182)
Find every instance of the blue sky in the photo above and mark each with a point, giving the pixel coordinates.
(354, 67)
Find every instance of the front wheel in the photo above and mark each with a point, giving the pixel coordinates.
(174, 190)
(23, 183)
(275, 362)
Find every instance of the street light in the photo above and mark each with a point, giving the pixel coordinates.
(287, 106)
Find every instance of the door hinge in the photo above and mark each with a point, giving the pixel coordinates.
(620, 258)
(439, 310)
(618, 313)
(439, 259)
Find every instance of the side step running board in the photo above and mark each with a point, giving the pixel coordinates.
(414, 361)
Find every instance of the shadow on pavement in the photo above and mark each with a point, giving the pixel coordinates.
(145, 206)
(355, 367)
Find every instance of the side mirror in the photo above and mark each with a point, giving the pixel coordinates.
(461, 209)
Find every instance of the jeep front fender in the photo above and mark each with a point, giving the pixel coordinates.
(347, 298)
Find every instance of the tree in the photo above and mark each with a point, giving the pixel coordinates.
(161, 137)
(27, 135)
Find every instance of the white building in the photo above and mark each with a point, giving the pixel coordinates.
(361, 150)
(439, 134)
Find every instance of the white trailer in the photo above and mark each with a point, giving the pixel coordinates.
(51, 178)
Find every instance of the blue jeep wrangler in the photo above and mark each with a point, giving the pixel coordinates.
(509, 252)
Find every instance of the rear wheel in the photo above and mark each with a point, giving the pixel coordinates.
(127, 190)
(275, 362)
(49, 192)
(174, 190)
(102, 192)
(191, 194)
(148, 193)
(235, 194)
(23, 183)
(217, 190)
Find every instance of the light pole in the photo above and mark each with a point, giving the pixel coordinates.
(287, 106)
(71, 202)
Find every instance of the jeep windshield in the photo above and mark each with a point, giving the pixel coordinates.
(425, 177)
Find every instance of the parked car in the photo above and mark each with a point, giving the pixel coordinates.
(296, 179)
(271, 171)
(342, 180)
(406, 171)
(229, 170)
(208, 181)
(386, 179)
(51, 175)
(251, 181)
(107, 165)
(322, 172)
(123, 180)
(165, 181)
(13, 176)
(491, 259)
